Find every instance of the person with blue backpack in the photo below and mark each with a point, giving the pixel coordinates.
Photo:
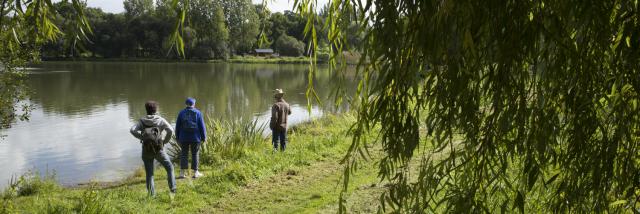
(191, 133)
(149, 130)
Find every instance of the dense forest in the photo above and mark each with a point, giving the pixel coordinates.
(214, 29)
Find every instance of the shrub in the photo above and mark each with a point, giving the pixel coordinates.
(289, 46)
(202, 52)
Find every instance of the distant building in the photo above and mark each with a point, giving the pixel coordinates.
(264, 52)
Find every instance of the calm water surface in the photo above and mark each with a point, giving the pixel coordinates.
(79, 128)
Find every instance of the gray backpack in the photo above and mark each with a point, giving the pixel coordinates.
(151, 137)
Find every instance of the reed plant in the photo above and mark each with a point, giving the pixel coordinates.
(231, 139)
(226, 140)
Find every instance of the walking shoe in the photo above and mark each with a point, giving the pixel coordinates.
(182, 173)
(197, 174)
(172, 194)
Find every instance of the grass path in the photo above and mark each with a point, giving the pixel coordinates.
(314, 189)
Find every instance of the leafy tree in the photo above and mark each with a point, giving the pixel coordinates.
(110, 39)
(207, 18)
(147, 32)
(296, 25)
(265, 25)
(243, 24)
(220, 34)
(137, 8)
(165, 10)
(70, 43)
(503, 105)
(289, 46)
(278, 26)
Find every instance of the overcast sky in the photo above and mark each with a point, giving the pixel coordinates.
(115, 6)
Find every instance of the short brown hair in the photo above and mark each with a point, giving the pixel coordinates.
(151, 107)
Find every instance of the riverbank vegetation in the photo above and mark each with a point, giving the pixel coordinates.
(235, 157)
(213, 29)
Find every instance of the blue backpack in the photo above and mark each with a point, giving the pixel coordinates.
(190, 121)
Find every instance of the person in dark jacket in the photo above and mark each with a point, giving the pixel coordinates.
(149, 153)
(278, 124)
(191, 133)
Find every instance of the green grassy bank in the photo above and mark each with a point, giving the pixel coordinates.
(234, 159)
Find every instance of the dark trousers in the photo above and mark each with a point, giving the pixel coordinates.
(279, 136)
(161, 156)
(184, 155)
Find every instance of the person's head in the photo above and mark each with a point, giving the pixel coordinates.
(190, 102)
(151, 107)
(278, 94)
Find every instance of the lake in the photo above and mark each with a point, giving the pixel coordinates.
(79, 128)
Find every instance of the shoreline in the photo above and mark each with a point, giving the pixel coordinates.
(226, 169)
(236, 60)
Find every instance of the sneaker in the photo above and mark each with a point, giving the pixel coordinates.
(197, 174)
(182, 173)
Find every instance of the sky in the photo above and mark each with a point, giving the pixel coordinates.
(115, 6)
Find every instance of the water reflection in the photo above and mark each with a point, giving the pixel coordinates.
(83, 110)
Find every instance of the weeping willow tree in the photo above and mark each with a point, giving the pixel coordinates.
(505, 105)
(25, 25)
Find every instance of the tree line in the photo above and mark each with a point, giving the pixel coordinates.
(214, 29)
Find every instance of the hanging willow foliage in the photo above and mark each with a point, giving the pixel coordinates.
(528, 105)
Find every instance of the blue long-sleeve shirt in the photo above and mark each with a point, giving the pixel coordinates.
(198, 135)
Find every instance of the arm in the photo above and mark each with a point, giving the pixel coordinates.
(178, 124)
(168, 129)
(135, 130)
(288, 109)
(274, 117)
(202, 127)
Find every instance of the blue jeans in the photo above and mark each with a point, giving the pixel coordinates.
(162, 157)
(184, 155)
(279, 135)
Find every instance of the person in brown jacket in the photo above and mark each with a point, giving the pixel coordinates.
(278, 124)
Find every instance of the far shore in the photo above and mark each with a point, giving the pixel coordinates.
(352, 58)
(239, 59)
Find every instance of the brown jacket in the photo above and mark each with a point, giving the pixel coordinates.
(279, 113)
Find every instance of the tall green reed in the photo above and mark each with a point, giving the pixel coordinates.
(226, 140)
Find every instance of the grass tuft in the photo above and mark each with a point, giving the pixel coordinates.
(91, 202)
(30, 183)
